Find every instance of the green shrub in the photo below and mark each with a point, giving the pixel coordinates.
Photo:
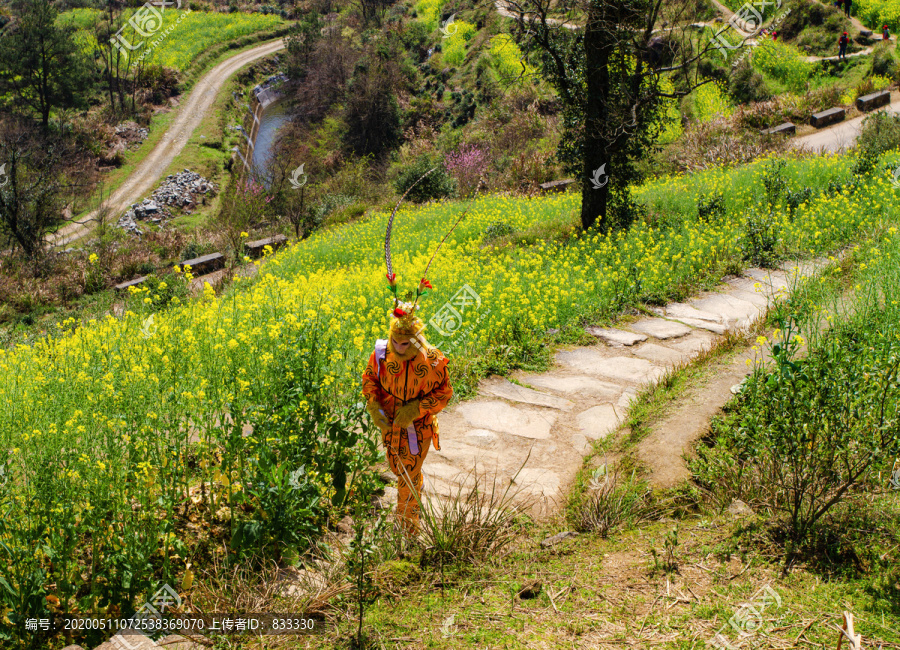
(506, 59)
(712, 207)
(782, 62)
(747, 85)
(497, 230)
(710, 101)
(760, 239)
(880, 133)
(436, 185)
(802, 436)
(883, 62)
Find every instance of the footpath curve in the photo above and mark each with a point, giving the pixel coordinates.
(190, 114)
(535, 431)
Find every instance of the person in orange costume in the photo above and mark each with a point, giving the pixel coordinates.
(405, 385)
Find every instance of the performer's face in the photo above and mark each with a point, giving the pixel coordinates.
(401, 346)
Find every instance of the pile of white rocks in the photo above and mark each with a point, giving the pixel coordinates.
(179, 190)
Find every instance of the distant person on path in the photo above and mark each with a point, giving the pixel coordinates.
(843, 45)
(838, 4)
(885, 33)
(847, 4)
(774, 36)
(406, 385)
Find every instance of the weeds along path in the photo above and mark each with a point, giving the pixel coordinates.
(546, 423)
(190, 114)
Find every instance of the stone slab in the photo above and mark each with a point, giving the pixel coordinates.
(680, 311)
(575, 385)
(787, 128)
(507, 390)
(537, 481)
(615, 338)
(660, 354)
(660, 328)
(625, 401)
(873, 100)
(775, 280)
(256, 248)
(131, 639)
(752, 286)
(500, 416)
(599, 421)
(481, 438)
(830, 116)
(754, 298)
(624, 369)
(727, 307)
(580, 443)
(697, 342)
(205, 263)
(715, 328)
(557, 186)
(124, 286)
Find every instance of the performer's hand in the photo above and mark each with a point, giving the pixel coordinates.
(406, 414)
(377, 415)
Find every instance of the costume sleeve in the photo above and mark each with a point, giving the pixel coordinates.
(371, 387)
(436, 399)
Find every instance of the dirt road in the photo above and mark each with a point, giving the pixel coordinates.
(191, 112)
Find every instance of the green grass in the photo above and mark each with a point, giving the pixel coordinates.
(191, 35)
(123, 405)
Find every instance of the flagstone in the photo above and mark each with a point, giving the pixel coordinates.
(660, 354)
(500, 416)
(574, 385)
(507, 390)
(599, 421)
(615, 337)
(626, 369)
(661, 328)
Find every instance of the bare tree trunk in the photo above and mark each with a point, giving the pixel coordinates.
(596, 147)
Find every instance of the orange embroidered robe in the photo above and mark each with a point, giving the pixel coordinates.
(392, 383)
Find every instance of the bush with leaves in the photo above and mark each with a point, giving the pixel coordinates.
(804, 435)
(436, 185)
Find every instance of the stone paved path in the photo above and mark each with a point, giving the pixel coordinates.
(552, 418)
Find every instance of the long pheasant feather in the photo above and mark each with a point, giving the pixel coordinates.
(390, 225)
(433, 255)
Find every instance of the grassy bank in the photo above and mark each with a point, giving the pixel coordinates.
(134, 425)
